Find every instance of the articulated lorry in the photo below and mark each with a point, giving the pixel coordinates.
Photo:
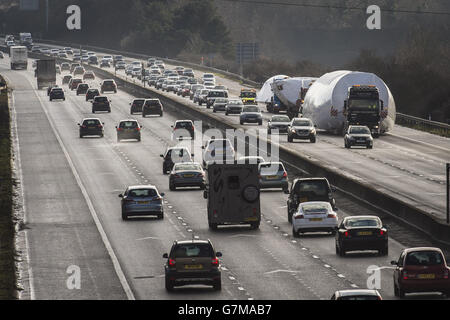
(45, 73)
(363, 107)
(19, 57)
(233, 195)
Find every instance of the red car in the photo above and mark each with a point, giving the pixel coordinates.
(421, 269)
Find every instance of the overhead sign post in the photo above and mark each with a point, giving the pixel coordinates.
(448, 192)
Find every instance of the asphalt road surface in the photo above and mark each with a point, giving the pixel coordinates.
(73, 214)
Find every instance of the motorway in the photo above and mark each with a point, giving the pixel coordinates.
(73, 212)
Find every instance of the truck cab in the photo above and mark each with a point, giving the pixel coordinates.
(248, 96)
(363, 107)
(233, 195)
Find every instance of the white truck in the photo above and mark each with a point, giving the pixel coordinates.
(19, 57)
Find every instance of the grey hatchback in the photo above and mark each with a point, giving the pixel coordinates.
(128, 129)
(142, 200)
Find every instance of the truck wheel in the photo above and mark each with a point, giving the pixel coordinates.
(254, 225)
(217, 285)
(294, 234)
(93, 111)
(124, 216)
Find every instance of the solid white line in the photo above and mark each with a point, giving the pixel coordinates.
(94, 215)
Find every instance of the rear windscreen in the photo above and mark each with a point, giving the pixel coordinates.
(192, 250)
(424, 258)
(318, 188)
(142, 193)
(128, 124)
(91, 122)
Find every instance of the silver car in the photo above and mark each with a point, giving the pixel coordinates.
(301, 128)
(278, 122)
(272, 175)
(358, 136)
(142, 200)
(220, 104)
(187, 174)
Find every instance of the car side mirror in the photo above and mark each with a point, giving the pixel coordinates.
(120, 196)
(162, 194)
(165, 256)
(333, 189)
(103, 123)
(203, 147)
(394, 263)
(161, 155)
(205, 194)
(336, 209)
(78, 124)
(192, 154)
(218, 254)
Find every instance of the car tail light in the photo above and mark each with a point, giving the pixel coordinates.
(176, 176)
(254, 211)
(346, 233)
(83, 126)
(445, 275)
(215, 261)
(381, 232)
(119, 129)
(285, 174)
(300, 216)
(157, 199)
(138, 129)
(100, 126)
(172, 262)
(331, 215)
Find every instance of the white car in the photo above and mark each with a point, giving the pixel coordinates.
(219, 151)
(314, 216)
(209, 77)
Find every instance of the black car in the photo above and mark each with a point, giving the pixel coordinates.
(192, 262)
(66, 79)
(93, 60)
(101, 103)
(187, 174)
(82, 88)
(128, 129)
(136, 105)
(91, 127)
(308, 189)
(56, 94)
(358, 233)
(108, 85)
(91, 94)
(174, 155)
(49, 89)
(152, 106)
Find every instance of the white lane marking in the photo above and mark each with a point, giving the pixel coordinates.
(104, 237)
(146, 238)
(242, 235)
(417, 141)
(281, 271)
(22, 192)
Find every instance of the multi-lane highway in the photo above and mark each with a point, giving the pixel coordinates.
(71, 188)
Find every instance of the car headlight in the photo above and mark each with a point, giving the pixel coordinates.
(313, 131)
(293, 130)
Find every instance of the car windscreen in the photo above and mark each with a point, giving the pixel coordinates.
(220, 100)
(142, 193)
(216, 94)
(280, 119)
(128, 124)
(251, 109)
(91, 122)
(138, 102)
(235, 102)
(301, 123)
(184, 124)
(101, 99)
(315, 208)
(318, 188)
(192, 250)
(424, 258)
(362, 222)
(359, 130)
(270, 168)
(187, 166)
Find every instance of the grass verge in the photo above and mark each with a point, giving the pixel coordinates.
(7, 250)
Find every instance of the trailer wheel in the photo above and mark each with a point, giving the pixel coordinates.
(212, 226)
(255, 225)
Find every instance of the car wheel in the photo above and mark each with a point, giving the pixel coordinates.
(369, 147)
(124, 216)
(401, 292)
(241, 122)
(313, 140)
(93, 111)
(214, 110)
(81, 136)
(161, 114)
(172, 187)
(290, 139)
(161, 216)
(254, 225)
(217, 285)
(341, 251)
(294, 234)
(109, 111)
(289, 217)
(337, 249)
(169, 285)
(269, 131)
(226, 113)
(384, 251)
(333, 232)
(260, 123)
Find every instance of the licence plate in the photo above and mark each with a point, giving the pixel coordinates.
(315, 219)
(426, 276)
(272, 177)
(365, 233)
(188, 175)
(143, 202)
(193, 266)
(251, 219)
(303, 199)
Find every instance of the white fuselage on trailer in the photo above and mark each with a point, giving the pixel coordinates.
(324, 102)
(289, 90)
